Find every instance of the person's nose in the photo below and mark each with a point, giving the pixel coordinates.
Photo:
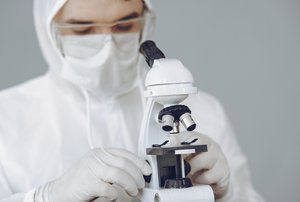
(105, 30)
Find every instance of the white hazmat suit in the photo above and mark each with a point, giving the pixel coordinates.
(47, 124)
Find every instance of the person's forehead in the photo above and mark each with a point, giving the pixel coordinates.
(99, 10)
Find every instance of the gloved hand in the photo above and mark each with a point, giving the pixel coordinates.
(94, 176)
(209, 167)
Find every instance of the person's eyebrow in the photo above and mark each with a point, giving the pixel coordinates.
(80, 21)
(130, 16)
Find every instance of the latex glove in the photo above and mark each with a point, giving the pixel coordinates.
(211, 167)
(94, 176)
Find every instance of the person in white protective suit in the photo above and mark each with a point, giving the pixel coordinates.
(72, 134)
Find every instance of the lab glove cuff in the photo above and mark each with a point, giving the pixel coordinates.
(41, 193)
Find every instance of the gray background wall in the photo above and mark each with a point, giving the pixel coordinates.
(246, 53)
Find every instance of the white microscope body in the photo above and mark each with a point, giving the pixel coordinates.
(168, 83)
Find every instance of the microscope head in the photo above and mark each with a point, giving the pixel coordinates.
(168, 81)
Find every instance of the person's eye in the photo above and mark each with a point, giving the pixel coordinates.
(125, 27)
(82, 31)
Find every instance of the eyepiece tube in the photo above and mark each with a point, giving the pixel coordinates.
(150, 51)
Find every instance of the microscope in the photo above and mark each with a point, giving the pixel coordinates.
(168, 83)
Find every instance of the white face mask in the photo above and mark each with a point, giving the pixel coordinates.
(105, 65)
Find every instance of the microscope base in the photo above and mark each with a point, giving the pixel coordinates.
(201, 193)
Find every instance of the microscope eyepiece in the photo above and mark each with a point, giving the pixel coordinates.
(150, 51)
(187, 121)
(168, 122)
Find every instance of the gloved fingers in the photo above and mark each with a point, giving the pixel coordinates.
(217, 177)
(211, 176)
(117, 176)
(105, 190)
(200, 162)
(140, 163)
(124, 164)
(110, 174)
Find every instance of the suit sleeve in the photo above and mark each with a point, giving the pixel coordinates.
(6, 193)
(241, 188)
